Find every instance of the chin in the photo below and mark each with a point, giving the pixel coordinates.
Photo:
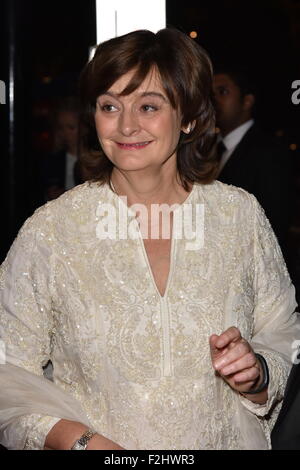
(131, 167)
(130, 164)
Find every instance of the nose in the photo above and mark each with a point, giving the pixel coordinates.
(214, 96)
(128, 123)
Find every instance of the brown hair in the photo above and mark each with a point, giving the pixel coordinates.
(186, 74)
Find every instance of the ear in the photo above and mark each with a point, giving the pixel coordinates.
(249, 101)
(188, 129)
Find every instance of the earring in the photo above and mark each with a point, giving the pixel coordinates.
(188, 129)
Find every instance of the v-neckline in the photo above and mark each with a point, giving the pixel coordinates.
(141, 241)
(162, 297)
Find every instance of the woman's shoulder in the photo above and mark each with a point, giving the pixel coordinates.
(81, 194)
(230, 204)
(226, 195)
(72, 204)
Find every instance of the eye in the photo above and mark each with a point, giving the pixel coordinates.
(108, 108)
(149, 108)
(223, 91)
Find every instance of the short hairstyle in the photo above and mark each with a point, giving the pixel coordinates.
(241, 75)
(186, 74)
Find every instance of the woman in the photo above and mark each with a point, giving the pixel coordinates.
(176, 340)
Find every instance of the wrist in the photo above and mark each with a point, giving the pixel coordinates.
(64, 434)
(262, 383)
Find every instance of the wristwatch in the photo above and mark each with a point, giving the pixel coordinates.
(82, 442)
(266, 377)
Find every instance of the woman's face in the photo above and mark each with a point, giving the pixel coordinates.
(140, 130)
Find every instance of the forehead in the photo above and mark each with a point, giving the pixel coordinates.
(152, 82)
(223, 80)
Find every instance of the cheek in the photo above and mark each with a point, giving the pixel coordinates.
(167, 126)
(227, 106)
(103, 128)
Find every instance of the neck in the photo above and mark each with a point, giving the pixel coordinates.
(149, 186)
(225, 132)
(72, 149)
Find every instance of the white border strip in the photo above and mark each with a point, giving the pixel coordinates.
(117, 17)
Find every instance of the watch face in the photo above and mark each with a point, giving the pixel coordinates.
(82, 443)
(78, 446)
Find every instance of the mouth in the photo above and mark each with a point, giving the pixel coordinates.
(133, 146)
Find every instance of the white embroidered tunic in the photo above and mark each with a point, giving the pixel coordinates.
(127, 361)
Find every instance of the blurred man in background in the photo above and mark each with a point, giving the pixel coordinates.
(61, 167)
(249, 158)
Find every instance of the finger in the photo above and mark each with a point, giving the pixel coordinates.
(247, 375)
(231, 334)
(235, 353)
(245, 362)
(214, 351)
(212, 342)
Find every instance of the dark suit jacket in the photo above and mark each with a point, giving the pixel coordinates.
(286, 432)
(54, 170)
(262, 166)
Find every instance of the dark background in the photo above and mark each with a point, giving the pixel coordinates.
(45, 44)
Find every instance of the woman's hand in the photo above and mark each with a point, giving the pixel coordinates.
(234, 359)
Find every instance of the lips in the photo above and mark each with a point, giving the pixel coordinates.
(133, 146)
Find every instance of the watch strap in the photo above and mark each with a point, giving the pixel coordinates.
(266, 376)
(82, 442)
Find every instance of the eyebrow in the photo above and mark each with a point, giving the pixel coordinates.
(144, 94)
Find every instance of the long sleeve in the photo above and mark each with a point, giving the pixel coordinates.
(275, 320)
(29, 403)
